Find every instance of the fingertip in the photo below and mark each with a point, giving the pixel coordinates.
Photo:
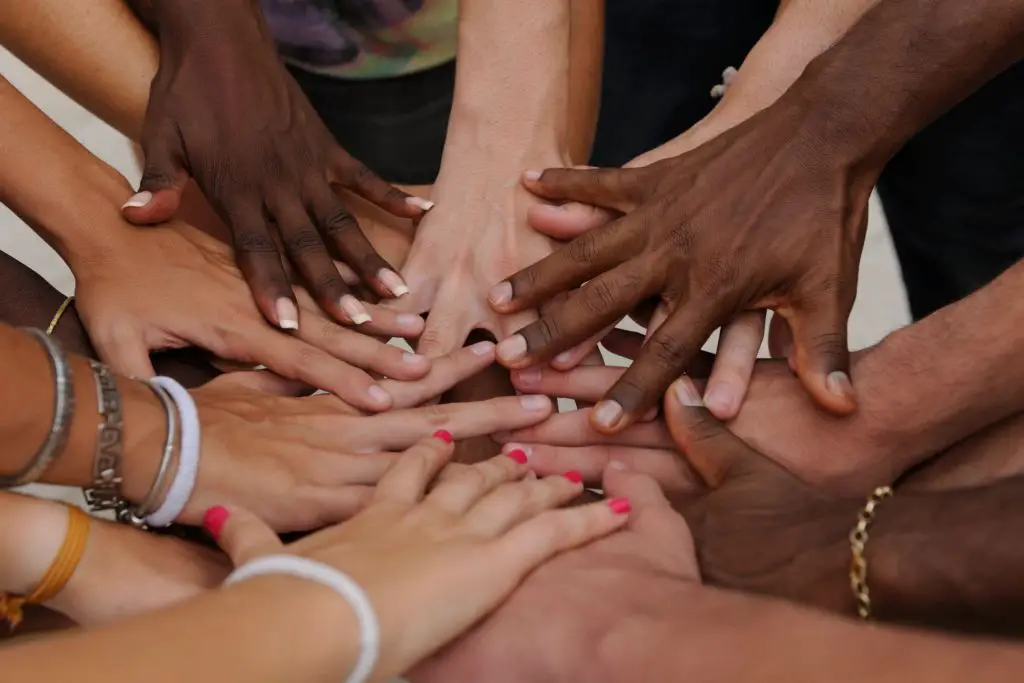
(722, 401)
(214, 520)
(444, 435)
(150, 207)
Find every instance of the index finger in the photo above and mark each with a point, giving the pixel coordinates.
(611, 188)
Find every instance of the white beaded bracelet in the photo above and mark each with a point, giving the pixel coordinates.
(180, 490)
(340, 583)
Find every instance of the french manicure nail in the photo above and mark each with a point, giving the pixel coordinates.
(287, 314)
(354, 310)
(574, 476)
(530, 377)
(518, 455)
(420, 203)
(838, 383)
(687, 393)
(535, 402)
(214, 519)
(607, 413)
(138, 200)
(620, 506)
(484, 348)
(512, 349)
(443, 435)
(378, 395)
(393, 281)
(532, 175)
(500, 293)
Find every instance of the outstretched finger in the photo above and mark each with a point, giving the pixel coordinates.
(567, 221)
(738, 345)
(354, 175)
(240, 534)
(408, 479)
(612, 188)
(445, 372)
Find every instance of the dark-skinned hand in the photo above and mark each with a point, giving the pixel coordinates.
(757, 527)
(761, 217)
(224, 111)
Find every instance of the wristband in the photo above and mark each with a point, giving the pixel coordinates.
(184, 480)
(340, 583)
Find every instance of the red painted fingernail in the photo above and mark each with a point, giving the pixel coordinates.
(620, 506)
(574, 476)
(214, 519)
(443, 435)
(518, 454)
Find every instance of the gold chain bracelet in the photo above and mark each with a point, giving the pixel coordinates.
(858, 541)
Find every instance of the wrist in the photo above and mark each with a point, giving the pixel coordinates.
(145, 433)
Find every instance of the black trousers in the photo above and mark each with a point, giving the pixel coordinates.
(954, 196)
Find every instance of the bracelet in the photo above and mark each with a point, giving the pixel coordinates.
(63, 409)
(858, 542)
(184, 480)
(57, 575)
(58, 315)
(105, 493)
(136, 516)
(340, 583)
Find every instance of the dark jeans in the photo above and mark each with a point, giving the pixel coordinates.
(954, 196)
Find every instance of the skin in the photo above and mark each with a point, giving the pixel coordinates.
(762, 256)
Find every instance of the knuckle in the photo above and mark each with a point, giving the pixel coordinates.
(582, 251)
(339, 223)
(669, 351)
(599, 297)
(302, 241)
(546, 330)
(251, 242)
(437, 416)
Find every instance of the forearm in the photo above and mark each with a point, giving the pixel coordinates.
(929, 385)
(238, 634)
(511, 92)
(96, 52)
(57, 186)
(782, 642)
(901, 66)
(586, 60)
(30, 536)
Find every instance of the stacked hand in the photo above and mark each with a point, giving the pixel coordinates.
(451, 549)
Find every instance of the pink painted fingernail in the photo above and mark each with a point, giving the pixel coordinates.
(574, 476)
(287, 314)
(530, 377)
(512, 349)
(138, 200)
(620, 506)
(444, 435)
(355, 310)
(393, 281)
(518, 455)
(509, 447)
(500, 293)
(214, 519)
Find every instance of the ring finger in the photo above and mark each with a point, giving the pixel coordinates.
(512, 503)
(457, 493)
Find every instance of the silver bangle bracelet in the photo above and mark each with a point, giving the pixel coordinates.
(136, 516)
(63, 409)
(105, 492)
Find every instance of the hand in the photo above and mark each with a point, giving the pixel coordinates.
(224, 111)
(560, 624)
(125, 572)
(174, 286)
(434, 563)
(301, 463)
(713, 232)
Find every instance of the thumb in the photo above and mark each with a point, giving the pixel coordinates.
(611, 188)
(125, 351)
(163, 181)
(240, 534)
(567, 221)
(822, 355)
(709, 446)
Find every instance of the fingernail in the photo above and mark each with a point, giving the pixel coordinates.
(214, 519)
(512, 349)
(500, 293)
(617, 465)
(420, 203)
(607, 413)
(287, 314)
(720, 400)
(378, 395)
(687, 394)
(413, 358)
(563, 358)
(517, 447)
(574, 476)
(393, 282)
(408, 320)
(443, 435)
(838, 383)
(535, 402)
(484, 348)
(138, 200)
(518, 455)
(354, 310)
(529, 377)
(620, 506)
(532, 175)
